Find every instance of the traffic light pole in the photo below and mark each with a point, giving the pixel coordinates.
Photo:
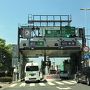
(44, 61)
(19, 56)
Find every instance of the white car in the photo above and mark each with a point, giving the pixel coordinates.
(32, 72)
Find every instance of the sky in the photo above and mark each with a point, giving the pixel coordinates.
(54, 61)
(15, 12)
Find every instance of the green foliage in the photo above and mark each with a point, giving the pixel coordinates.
(5, 79)
(0, 64)
(2, 43)
(5, 55)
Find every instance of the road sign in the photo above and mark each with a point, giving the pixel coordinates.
(86, 56)
(27, 32)
(65, 31)
(86, 49)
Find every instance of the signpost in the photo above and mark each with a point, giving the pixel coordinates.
(86, 53)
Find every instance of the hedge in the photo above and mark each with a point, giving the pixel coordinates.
(5, 79)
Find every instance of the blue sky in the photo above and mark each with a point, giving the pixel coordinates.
(58, 61)
(14, 12)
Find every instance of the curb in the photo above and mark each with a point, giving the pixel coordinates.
(4, 85)
(16, 81)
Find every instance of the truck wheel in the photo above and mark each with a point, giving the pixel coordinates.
(38, 81)
(26, 81)
(77, 80)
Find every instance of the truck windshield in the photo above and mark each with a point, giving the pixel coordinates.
(32, 68)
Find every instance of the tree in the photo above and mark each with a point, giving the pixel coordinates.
(5, 55)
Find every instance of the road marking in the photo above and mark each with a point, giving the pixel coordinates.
(67, 88)
(59, 83)
(32, 84)
(23, 84)
(67, 82)
(73, 82)
(12, 85)
(41, 84)
(50, 83)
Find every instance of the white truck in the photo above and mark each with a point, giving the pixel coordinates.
(32, 72)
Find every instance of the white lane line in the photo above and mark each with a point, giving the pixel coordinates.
(13, 85)
(60, 83)
(67, 82)
(67, 88)
(50, 83)
(41, 84)
(32, 84)
(73, 82)
(23, 84)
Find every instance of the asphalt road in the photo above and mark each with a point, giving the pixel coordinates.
(50, 85)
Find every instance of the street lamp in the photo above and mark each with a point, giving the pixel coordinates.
(86, 9)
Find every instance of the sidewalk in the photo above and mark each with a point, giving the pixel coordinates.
(4, 84)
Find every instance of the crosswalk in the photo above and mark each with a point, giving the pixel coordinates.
(50, 83)
(22, 84)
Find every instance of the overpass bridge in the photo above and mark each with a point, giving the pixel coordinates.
(50, 35)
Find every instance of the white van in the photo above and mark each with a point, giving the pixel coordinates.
(32, 72)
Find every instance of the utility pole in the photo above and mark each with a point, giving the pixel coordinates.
(85, 22)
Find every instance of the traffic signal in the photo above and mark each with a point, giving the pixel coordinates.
(81, 32)
(45, 63)
(48, 63)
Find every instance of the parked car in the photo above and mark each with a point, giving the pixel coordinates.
(52, 71)
(64, 74)
(83, 76)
